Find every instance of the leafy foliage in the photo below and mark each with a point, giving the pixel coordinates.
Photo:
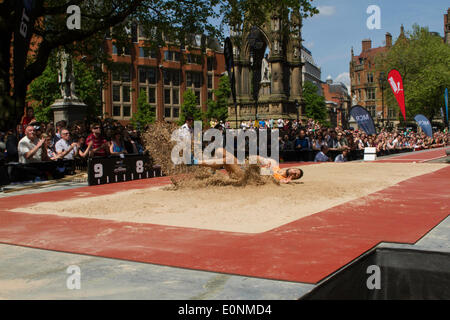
(145, 113)
(218, 109)
(315, 103)
(189, 107)
(423, 61)
(44, 90)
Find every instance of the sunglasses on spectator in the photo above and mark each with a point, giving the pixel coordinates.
(96, 128)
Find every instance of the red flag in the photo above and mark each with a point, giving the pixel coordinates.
(396, 82)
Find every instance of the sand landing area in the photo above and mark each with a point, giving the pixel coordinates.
(249, 209)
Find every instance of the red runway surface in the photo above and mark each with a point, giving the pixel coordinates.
(306, 250)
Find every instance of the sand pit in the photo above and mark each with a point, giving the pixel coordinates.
(250, 209)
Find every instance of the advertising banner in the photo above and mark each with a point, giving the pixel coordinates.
(396, 83)
(425, 124)
(363, 118)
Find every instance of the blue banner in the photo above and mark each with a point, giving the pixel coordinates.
(425, 124)
(363, 119)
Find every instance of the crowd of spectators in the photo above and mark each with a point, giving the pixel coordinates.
(311, 141)
(33, 142)
(39, 142)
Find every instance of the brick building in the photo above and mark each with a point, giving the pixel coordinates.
(367, 83)
(337, 101)
(447, 27)
(164, 73)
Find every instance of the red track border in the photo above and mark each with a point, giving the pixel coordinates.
(306, 250)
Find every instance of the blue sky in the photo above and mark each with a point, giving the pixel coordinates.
(342, 24)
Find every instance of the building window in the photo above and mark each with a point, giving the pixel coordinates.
(121, 50)
(171, 56)
(175, 96)
(371, 110)
(210, 81)
(147, 75)
(370, 77)
(151, 95)
(121, 93)
(370, 94)
(210, 63)
(148, 82)
(126, 96)
(193, 58)
(194, 79)
(391, 113)
(145, 52)
(116, 93)
(171, 93)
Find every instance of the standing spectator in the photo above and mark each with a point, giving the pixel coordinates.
(28, 118)
(318, 142)
(100, 146)
(342, 141)
(29, 148)
(11, 142)
(64, 149)
(280, 124)
(332, 142)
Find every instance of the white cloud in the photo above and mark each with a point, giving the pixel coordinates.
(344, 77)
(326, 10)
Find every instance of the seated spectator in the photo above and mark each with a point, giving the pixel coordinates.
(322, 155)
(343, 157)
(100, 146)
(83, 148)
(286, 144)
(130, 145)
(117, 145)
(318, 142)
(302, 141)
(48, 154)
(64, 149)
(29, 147)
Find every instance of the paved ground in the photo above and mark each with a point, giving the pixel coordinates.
(27, 273)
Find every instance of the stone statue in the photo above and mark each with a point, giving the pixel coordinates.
(265, 69)
(66, 77)
(296, 53)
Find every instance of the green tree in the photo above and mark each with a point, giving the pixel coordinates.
(315, 103)
(158, 19)
(44, 90)
(423, 61)
(218, 109)
(145, 113)
(190, 107)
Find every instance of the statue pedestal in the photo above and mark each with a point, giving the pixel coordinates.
(264, 89)
(69, 109)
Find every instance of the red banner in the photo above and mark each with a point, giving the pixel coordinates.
(396, 82)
